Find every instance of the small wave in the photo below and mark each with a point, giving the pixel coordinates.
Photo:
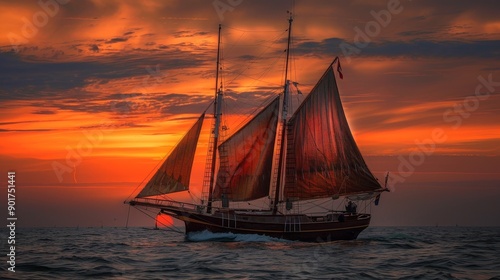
(84, 259)
(403, 246)
(30, 267)
(103, 271)
(229, 237)
(45, 240)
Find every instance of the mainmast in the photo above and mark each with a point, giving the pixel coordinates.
(284, 115)
(217, 115)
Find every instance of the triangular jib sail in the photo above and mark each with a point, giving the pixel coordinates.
(175, 172)
(322, 158)
(246, 158)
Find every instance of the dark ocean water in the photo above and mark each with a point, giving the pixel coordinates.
(139, 253)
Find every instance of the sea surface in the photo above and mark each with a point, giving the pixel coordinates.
(143, 253)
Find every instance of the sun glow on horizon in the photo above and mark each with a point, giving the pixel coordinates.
(164, 220)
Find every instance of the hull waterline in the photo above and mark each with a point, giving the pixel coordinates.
(320, 232)
(331, 227)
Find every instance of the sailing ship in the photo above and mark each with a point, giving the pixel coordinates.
(286, 160)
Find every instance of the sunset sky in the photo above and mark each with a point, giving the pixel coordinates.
(93, 94)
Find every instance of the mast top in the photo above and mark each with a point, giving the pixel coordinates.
(290, 20)
(285, 86)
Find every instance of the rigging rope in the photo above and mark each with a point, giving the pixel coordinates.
(258, 57)
(147, 176)
(128, 215)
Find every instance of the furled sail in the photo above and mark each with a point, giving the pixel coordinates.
(175, 172)
(322, 157)
(246, 158)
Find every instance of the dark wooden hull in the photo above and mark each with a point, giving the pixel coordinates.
(290, 227)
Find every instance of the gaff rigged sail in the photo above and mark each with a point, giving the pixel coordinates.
(246, 158)
(322, 157)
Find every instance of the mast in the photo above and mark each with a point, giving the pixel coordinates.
(217, 114)
(217, 74)
(284, 115)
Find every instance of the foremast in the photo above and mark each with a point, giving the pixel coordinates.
(282, 153)
(216, 128)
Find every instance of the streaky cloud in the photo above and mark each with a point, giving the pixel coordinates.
(413, 48)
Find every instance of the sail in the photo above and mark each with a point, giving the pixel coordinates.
(175, 172)
(322, 157)
(246, 158)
